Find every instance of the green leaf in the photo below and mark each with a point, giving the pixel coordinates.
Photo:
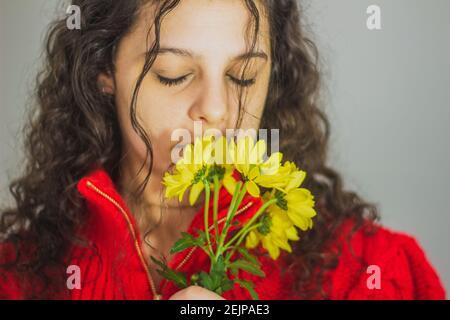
(246, 266)
(206, 281)
(249, 286)
(227, 285)
(247, 255)
(159, 263)
(201, 236)
(216, 280)
(219, 266)
(179, 278)
(186, 241)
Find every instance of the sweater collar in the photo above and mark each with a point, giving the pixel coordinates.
(100, 193)
(109, 215)
(109, 212)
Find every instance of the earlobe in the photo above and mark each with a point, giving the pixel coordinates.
(106, 84)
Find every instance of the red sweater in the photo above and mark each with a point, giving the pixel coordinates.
(118, 269)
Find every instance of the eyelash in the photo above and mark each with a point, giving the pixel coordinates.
(174, 82)
(171, 82)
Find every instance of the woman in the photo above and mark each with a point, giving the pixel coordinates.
(108, 99)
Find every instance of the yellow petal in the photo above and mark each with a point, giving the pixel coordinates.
(272, 165)
(273, 250)
(296, 179)
(252, 188)
(207, 157)
(300, 221)
(277, 180)
(282, 243)
(195, 192)
(229, 183)
(252, 240)
(186, 175)
(292, 233)
(302, 210)
(253, 173)
(258, 151)
(181, 194)
(243, 168)
(300, 195)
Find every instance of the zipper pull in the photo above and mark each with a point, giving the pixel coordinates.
(157, 297)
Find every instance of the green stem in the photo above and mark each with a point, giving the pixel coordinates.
(233, 248)
(216, 205)
(232, 206)
(206, 216)
(234, 198)
(230, 210)
(240, 236)
(231, 213)
(252, 220)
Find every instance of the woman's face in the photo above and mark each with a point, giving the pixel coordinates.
(202, 43)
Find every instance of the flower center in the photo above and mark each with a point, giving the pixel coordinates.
(281, 201)
(266, 223)
(199, 175)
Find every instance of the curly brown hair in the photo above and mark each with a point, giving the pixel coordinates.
(72, 126)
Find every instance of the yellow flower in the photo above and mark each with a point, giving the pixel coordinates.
(275, 176)
(293, 208)
(298, 204)
(247, 157)
(295, 177)
(274, 234)
(285, 178)
(190, 170)
(176, 184)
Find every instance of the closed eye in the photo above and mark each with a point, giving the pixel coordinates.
(177, 81)
(243, 82)
(171, 82)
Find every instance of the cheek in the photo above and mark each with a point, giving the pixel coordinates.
(252, 117)
(132, 144)
(157, 119)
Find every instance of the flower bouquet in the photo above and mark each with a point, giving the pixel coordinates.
(284, 207)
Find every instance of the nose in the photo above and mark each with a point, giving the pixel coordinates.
(212, 105)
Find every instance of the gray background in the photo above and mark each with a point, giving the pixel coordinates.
(386, 91)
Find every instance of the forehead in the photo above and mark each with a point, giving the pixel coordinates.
(209, 27)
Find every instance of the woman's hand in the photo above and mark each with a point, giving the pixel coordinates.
(195, 293)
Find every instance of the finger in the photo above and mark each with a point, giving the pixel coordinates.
(195, 293)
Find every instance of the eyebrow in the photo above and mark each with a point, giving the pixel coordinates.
(190, 54)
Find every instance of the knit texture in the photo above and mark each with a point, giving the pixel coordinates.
(112, 266)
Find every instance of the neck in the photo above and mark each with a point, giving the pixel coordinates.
(149, 208)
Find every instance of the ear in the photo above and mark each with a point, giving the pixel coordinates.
(106, 83)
